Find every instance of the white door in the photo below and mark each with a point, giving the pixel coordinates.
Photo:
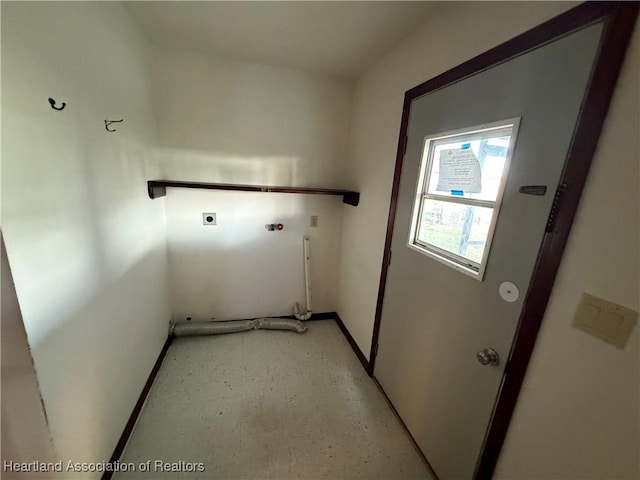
(466, 239)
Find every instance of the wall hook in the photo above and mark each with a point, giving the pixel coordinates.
(53, 104)
(109, 122)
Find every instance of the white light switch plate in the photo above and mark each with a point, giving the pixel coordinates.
(604, 320)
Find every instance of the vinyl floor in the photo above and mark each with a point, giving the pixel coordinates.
(268, 405)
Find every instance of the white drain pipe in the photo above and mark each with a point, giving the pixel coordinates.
(307, 283)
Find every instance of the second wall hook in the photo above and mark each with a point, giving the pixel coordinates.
(52, 102)
(109, 122)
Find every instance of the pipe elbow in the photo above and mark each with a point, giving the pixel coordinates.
(301, 316)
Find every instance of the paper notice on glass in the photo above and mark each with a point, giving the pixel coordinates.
(459, 171)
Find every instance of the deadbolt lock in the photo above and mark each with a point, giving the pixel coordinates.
(488, 356)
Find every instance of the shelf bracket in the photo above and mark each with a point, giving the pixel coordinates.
(155, 190)
(351, 198)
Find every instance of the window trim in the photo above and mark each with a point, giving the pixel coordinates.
(457, 262)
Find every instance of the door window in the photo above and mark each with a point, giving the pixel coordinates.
(460, 186)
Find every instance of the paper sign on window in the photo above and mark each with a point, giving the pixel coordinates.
(459, 171)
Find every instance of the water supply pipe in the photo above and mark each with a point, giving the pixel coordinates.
(307, 283)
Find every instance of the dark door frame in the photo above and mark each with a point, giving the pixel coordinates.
(619, 20)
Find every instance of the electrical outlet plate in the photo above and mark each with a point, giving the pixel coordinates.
(604, 320)
(313, 221)
(209, 219)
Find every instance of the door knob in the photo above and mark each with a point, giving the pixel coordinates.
(488, 356)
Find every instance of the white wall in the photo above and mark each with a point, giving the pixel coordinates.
(86, 246)
(224, 121)
(581, 397)
(25, 434)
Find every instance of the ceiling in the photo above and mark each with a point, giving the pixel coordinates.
(332, 37)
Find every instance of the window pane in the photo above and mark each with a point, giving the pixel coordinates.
(469, 166)
(459, 229)
(460, 187)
